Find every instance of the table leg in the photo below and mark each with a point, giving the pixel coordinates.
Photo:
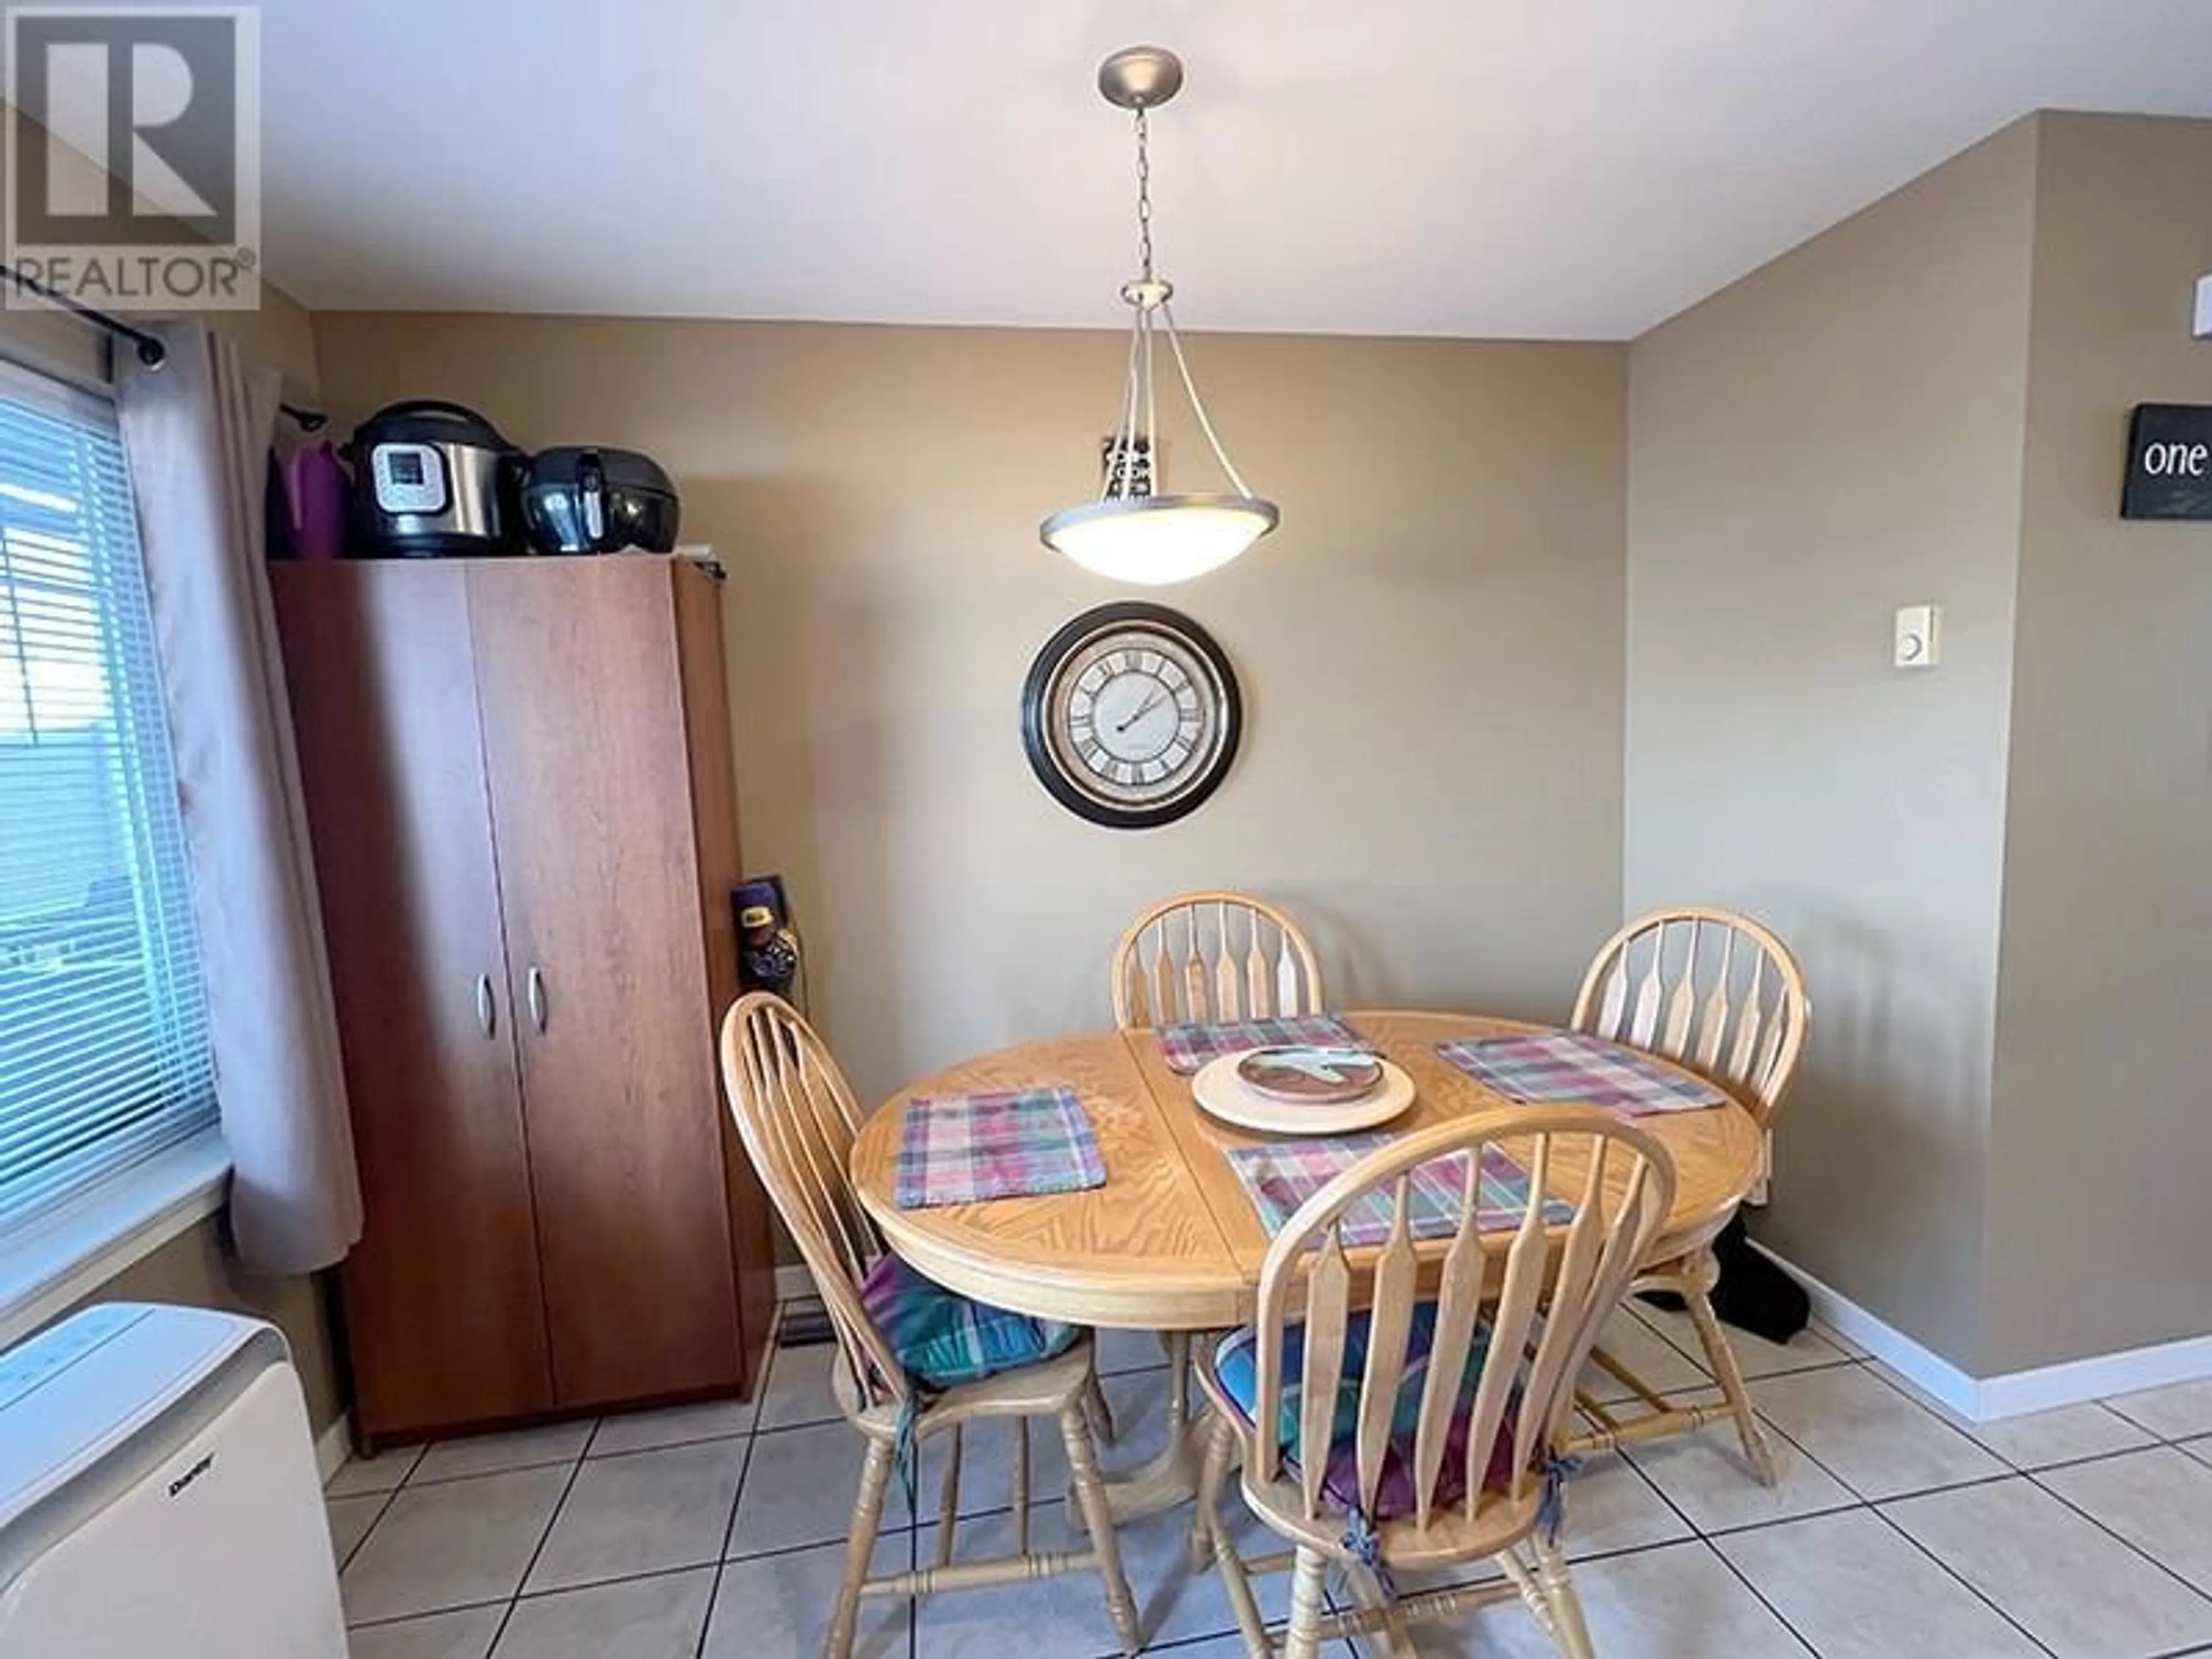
(1170, 1479)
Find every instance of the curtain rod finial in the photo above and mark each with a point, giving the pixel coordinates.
(153, 353)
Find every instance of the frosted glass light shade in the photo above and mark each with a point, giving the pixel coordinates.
(1152, 540)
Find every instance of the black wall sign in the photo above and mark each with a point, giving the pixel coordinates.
(2169, 463)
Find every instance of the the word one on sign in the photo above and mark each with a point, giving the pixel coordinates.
(2169, 463)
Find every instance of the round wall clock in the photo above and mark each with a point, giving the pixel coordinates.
(1131, 715)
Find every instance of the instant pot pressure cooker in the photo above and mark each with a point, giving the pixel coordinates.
(434, 480)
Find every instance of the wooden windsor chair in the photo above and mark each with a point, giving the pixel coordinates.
(1436, 1416)
(798, 1119)
(1205, 956)
(1721, 993)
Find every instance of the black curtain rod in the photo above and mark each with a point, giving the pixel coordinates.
(150, 349)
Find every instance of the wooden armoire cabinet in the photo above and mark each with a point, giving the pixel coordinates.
(520, 794)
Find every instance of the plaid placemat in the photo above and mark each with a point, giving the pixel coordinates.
(1281, 1176)
(962, 1148)
(1571, 1065)
(1187, 1047)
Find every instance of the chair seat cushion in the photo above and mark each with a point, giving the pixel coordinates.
(943, 1339)
(1235, 1365)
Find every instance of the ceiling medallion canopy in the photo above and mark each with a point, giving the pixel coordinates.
(1133, 531)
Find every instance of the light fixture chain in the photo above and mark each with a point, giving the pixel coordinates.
(1144, 196)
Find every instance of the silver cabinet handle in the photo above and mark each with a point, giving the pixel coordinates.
(487, 1012)
(537, 983)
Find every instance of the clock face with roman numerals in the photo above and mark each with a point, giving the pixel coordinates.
(1131, 715)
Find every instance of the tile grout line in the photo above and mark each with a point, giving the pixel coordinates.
(382, 1510)
(643, 1575)
(2124, 1542)
(729, 1526)
(911, 1531)
(1758, 1595)
(2012, 1468)
(830, 1421)
(745, 1472)
(2031, 1476)
(1858, 1503)
(1873, 1505)
(509, 1603)
(667, 1446)
(1744, 1528)
(552, 1520)
(1713, 1549)
(591, 1584)
(436, 1481)
(1972, 1589)
(2180, 1443)
(429, 1613)
(390, 1495)
(1898, 1387)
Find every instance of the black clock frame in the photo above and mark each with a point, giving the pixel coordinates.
(1038, 742)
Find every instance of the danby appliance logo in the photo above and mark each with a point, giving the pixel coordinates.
(2169, 463)
(192, 1474)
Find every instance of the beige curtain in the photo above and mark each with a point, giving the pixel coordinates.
(197, 432)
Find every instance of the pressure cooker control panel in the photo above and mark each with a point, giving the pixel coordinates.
(410, 477)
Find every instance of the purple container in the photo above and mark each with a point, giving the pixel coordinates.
(315, 483)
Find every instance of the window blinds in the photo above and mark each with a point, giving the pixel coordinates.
(104, 1057)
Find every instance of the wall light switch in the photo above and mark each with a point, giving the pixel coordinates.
(1919, 643)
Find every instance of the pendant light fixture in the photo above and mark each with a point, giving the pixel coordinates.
(1132, 533)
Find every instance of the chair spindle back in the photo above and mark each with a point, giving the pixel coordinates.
(1709, 988)
(1214, 955)
(798, 1120)
(1545, 1303)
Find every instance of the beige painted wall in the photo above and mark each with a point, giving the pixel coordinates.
(1429, 646)
(2098, 1232)
(1836, 434)
(197, 1269)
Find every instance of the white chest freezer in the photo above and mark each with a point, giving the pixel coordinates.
(158, 1494)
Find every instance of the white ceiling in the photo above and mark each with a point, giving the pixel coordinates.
(1547, 168)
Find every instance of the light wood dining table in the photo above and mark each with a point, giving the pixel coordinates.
(1171, 1242)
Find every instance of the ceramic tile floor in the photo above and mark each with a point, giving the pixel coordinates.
(716, 1532)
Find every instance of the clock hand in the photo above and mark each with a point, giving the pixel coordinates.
(1149, 704)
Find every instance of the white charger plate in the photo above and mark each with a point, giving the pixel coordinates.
(1222, 1094)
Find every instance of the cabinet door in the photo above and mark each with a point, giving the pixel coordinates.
(578, 675)
(444, 1310)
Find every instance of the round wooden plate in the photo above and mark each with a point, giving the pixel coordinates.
(1222, 1094)
(1305, 1075)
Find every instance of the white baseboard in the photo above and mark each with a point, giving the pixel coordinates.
(333, 1447)
(2099, 1377)
(2011, 1394)
(1922, 1367)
